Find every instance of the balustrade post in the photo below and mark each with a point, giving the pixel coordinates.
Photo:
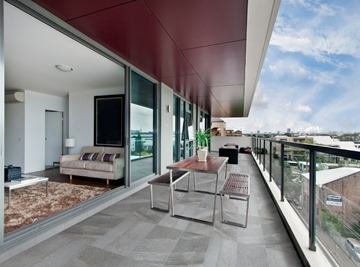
(259, 151)
(264, 157)
(282, 172)
(312, 200)
(270, 161)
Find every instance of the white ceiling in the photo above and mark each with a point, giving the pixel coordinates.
(32, 49)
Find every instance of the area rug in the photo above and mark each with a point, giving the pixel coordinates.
(30, 204)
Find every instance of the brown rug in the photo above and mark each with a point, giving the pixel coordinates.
(30, 204)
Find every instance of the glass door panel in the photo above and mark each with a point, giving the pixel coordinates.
(142, 127)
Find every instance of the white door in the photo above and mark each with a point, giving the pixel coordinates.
(53, 136)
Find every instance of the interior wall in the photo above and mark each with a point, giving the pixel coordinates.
(81, 116)
(166, 131)
(34, 141)
(15, 134)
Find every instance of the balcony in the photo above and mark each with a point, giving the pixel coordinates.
(129, 232)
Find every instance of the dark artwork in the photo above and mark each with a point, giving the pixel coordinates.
(109, 120)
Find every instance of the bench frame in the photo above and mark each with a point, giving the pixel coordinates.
(236, 186)
(165, 180)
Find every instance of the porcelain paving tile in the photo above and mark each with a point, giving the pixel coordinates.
(162, 232)
(32, 256)
(114, 233)
(130, 239)
(252, 255)
(64, 255)
(148, 258)
(164, 246)
(282, 256)
(94, 257)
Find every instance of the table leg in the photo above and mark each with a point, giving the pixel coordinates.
(226, 168)
(215, 195)
(172, 212)
(193, 173)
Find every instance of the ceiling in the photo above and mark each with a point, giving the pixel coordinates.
(32, 49)
(209, 51)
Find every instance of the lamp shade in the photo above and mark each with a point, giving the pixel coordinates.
(69, 142)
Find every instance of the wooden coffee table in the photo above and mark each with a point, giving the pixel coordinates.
(26, 180)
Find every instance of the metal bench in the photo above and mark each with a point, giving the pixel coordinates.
(164, 180)
(236, 186)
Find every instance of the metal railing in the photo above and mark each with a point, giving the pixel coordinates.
(276, 157)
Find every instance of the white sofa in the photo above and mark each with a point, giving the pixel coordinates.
(74, 164)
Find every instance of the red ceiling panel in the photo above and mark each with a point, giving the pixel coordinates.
(233, 107)
(70, 9)
(188, 85)
(195, 23)
(227, 93)
(219, 65)
(132, 32)
(189, 45)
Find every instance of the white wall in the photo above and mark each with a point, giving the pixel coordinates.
(219, 141)
(15, 134)
(166, 131)
(81, 116)
(25, 130)
(34, 140)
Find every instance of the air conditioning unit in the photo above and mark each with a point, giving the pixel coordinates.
(14, 97)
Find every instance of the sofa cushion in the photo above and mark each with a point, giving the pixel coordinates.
(93, 149)
(99, 166)
(109, 157)
(88, 156)
(74, 164)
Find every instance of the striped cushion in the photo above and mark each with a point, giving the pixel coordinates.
(88, 156)
(109, 157)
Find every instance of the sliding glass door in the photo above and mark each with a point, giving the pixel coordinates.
(183, 130)
(142, 127)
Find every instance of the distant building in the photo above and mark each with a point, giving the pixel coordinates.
(218, 127)
(336, 191)
(293, 152)
(329, 141)
(233, 133)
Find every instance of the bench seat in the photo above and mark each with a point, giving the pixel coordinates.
(236, 186)
(164, 180)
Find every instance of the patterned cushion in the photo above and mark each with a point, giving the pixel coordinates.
(109, 157)
(88, 156)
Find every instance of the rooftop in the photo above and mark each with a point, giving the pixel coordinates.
(328, 176)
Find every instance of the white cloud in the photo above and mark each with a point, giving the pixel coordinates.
(303, 108)
(317, 7)
(319, 36)
(286, 66)
(260, 99)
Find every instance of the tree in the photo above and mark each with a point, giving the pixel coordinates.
(139, 144)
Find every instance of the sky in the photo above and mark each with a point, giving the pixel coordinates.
(310, 79)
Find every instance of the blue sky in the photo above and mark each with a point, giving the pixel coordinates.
(311, 74)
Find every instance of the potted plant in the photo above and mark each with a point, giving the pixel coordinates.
(202, 138)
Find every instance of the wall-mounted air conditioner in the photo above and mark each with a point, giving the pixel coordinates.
(14, 97)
